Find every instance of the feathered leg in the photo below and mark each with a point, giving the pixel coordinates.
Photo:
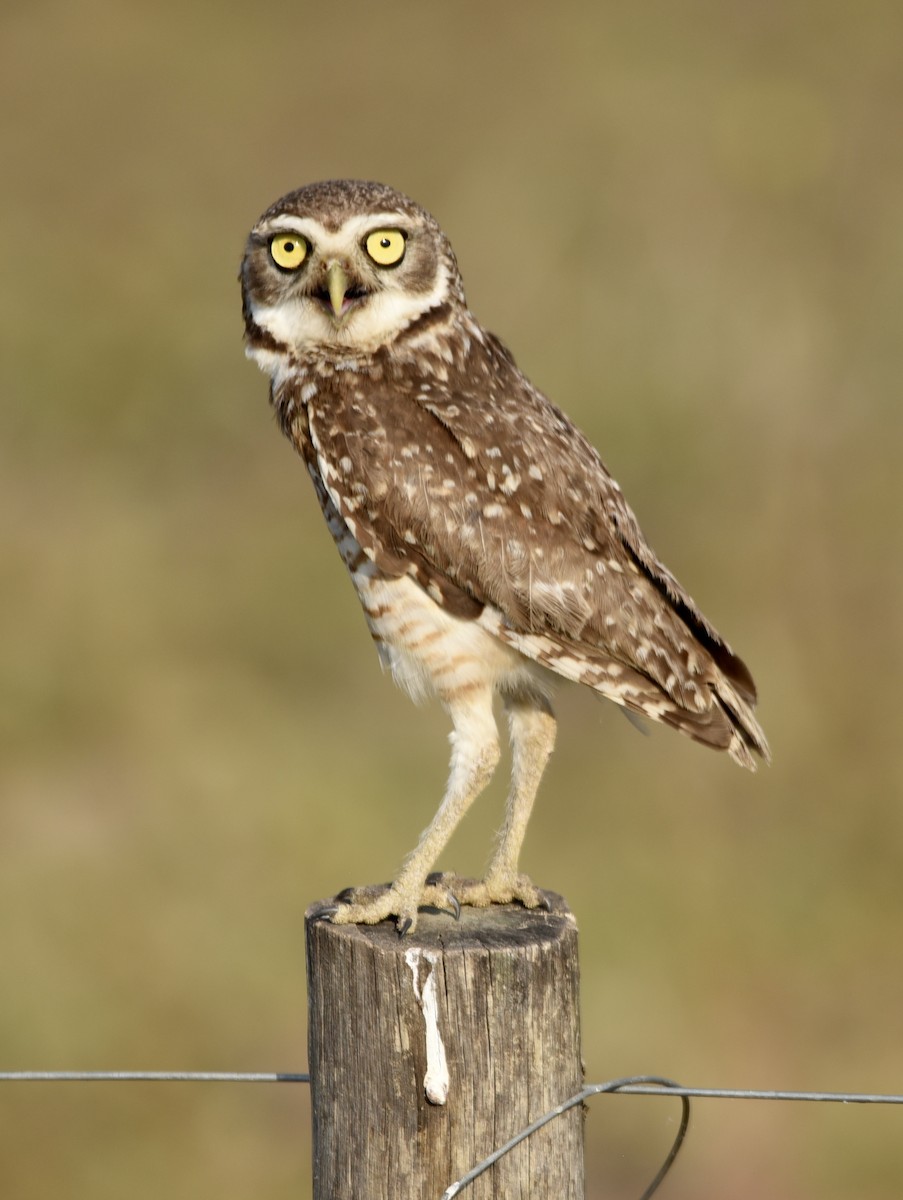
(475, 755)
(532, 726)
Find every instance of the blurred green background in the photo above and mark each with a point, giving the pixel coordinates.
(687, 221)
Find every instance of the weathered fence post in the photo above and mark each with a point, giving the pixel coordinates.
(428, 1052)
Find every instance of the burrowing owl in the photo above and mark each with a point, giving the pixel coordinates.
(490, 548)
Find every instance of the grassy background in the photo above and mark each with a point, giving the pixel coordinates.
(685, 218)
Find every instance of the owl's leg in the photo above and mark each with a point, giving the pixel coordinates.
(475, 755)
(532, 729)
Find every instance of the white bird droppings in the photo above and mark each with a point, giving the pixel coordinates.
(435, 1081)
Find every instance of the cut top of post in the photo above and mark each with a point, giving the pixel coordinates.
(499, 927)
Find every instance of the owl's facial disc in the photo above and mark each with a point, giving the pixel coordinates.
(353, 284)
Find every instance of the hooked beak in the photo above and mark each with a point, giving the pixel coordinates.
(337, 286)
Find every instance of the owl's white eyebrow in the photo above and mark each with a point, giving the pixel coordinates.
(314, 231)
(299, 224)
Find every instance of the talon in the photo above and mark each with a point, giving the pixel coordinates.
(404, 926)
(324, 913)
(544, 902)
(455, 905)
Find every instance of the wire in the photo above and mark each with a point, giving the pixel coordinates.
(633, 1085)
(653, 1084)
(627, 1087)
(152, 1077)
(746, 1094)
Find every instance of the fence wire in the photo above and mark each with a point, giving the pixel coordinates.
(632, 1085)
(153, 1077)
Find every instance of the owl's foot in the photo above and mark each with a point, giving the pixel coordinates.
(446, 892)
(494, 889)
(370, 905)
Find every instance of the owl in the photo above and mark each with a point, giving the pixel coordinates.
(492, 552)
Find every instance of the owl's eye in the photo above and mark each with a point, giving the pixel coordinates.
(385, 246)
(288, 250)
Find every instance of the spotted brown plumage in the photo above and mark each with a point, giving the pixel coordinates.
(491, 550)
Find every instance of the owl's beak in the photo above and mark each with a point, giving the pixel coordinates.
(337, 284)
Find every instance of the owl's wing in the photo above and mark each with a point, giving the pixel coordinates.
(494, 501)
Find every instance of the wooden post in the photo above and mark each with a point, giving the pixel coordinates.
(428, 1052)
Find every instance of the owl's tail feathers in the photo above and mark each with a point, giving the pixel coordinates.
(729, 724)
(720, 716)
(748, 735)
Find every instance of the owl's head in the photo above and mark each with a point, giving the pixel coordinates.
(344, 265)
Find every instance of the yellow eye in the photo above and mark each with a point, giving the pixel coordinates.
(385, 247)
(288, 250)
